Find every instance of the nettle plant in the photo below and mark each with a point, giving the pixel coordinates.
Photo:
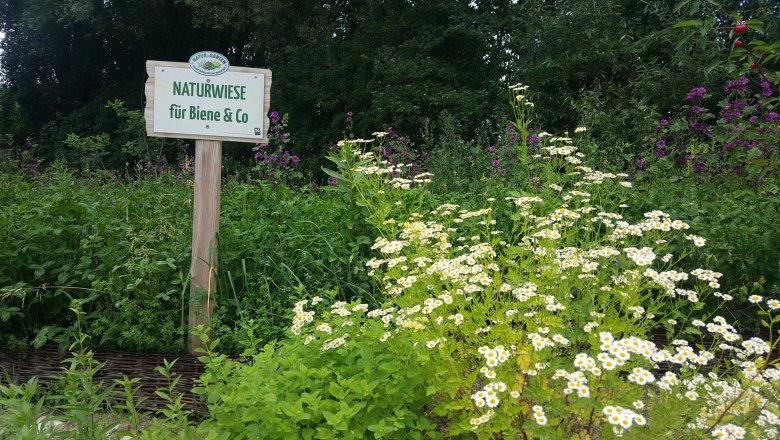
(540, 327)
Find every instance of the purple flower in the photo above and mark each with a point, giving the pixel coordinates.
(492, 148)
(274, 117)
(258, 154)
(729, 116)
(664, 122)
(701, 127)
(698, 166)
(661, 143)
(532, 138)
(772, 117)
(295, 160)
(494, 163)
(739, 84)
(696, 94)
(332, 181)
(696, 110)
(660, 153)
(513, 138)
(753, 119)
(640, 161)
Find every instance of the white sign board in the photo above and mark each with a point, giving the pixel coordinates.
(185, 103)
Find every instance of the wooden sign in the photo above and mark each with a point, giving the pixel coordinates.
(209, 101)
(182, 102)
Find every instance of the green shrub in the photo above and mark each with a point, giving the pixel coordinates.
(288, 390)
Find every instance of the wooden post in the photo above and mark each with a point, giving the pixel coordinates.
(205, 227)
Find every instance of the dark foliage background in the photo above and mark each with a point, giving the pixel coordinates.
(613, 64)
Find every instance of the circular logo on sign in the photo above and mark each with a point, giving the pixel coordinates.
(209, 63)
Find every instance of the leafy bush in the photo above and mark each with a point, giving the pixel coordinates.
(287, 390)
(744, 243)
(274, 240)
(75, 238)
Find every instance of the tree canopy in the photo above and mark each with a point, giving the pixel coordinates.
(392, 62)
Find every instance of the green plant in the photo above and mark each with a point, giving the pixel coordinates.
(129, 403)
(79, 398)
(147, 154)
(21, 410)
(172, 420)
(458, 161)
(87, 152)
(286, 390)
(743, 243)
(75, 237)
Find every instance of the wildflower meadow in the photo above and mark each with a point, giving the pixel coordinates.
(488, 220)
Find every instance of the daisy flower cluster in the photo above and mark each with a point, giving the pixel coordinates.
(756, 398)
(622, 418)
(538, 413)
(399, 175)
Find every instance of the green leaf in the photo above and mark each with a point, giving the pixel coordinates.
(337, 391)
(688, 23)
(44, 334)
(333, 173)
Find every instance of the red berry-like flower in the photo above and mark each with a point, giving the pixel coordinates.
(739, 43)
(753, 66)
(740, 28)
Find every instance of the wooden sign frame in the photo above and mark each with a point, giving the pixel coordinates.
(149, 111)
